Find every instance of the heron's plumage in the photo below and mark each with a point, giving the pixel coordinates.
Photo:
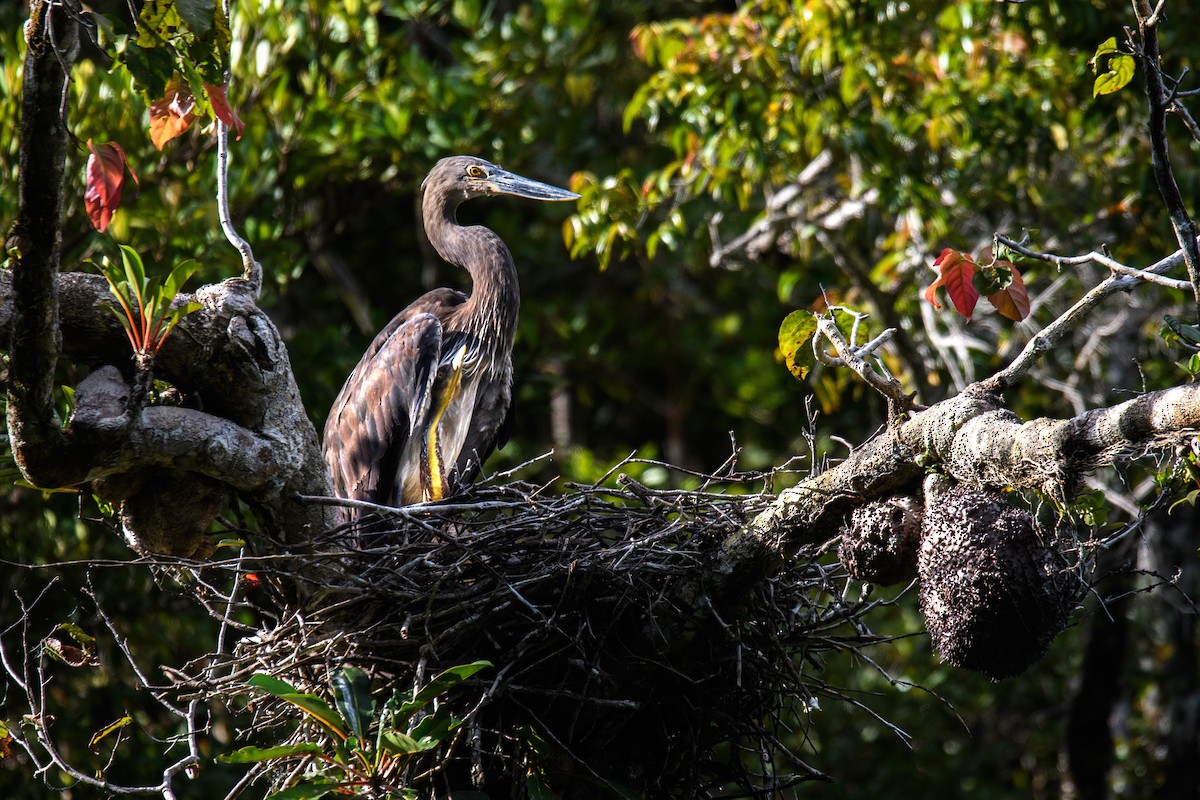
(427, 403)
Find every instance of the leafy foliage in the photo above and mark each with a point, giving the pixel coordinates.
(361, 749)
(105, 170)
(146, 310)
(795, 338)
(943, 122)
(965, 279)
(1118, 69)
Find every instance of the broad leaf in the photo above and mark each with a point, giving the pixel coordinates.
(955, 273)
(1013, 300)
(80, 654)
(442, 682)
(1174, 331)
(222, 109)
(319, 710)
(178, 277)
(435, 727)
(401, 744)
(251, 755)
(352, 694)
(173, 113)
(198, 14)
(1119, 69)
(104, 180)
(269, 683)
(135, 292)
(1109, 45)
(795, 338)
(159, 21)
(151, 67)
(304, 791)
(312, 705)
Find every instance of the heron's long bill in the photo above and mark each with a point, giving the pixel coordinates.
(504, 182)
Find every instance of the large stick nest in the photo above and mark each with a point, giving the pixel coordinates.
(613, 665)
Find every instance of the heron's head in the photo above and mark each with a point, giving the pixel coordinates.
(464, 177)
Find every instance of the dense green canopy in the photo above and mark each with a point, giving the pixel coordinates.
(736, 161)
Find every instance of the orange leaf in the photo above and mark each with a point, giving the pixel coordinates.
(1013, 300)
(104, 178)
(221, 107)
(171, 115)
(955, 272)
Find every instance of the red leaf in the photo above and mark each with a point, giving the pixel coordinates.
(104, 178)
(1013, 300)
(221, 107)
(171, 115)
(955, 272)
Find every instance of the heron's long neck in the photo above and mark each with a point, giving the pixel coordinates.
(491, 311)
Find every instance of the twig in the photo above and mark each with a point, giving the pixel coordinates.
(851, 356)
(1049, 337)
(252, 270)
(1094, 257)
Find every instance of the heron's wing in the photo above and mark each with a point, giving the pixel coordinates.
(372, 418)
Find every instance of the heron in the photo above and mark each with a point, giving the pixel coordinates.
(428, 401)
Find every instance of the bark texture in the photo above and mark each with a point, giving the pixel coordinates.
(971, 438)
(242, 425)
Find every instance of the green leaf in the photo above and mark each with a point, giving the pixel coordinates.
(178, 277)
(77, 633)
(151, 66)
(401, 744)
(1190, 498)
(320, 711)
(795, 337)
(135, 274)
(81, 653)
(108, 729)
(1109, 45)
(352, 695)
(1120, 72)
(312, 705)
(304, 791)
(443, 682)
(1173, 330)
(158, 22)
(435, 727)
(251, 755)
(268, 683)
(198, 14)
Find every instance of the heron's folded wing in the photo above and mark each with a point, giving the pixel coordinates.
(382, 400)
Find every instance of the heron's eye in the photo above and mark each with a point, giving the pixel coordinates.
(476, 171)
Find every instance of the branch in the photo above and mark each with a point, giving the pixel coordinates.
(35, 243)
(973, 439)
(1159, 102)
(850, 355)
(1096, 257)
(252, 270)
(1047, 338)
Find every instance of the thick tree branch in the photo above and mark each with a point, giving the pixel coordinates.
(253, 434)
(972, 438)
(34, 243)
